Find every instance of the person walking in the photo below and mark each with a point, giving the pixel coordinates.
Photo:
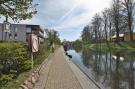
(52, 46)
(65, 47)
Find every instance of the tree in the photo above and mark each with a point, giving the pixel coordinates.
(105, 23)
(54, 37)
(129, 6)
(110, 22)
(17, 9)
(86, 34)
(116, 17)
(96, 24)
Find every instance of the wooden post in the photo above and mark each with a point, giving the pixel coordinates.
(32, 61)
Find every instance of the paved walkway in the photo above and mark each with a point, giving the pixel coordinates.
(57, 74)
(60, 73)
(85, 82)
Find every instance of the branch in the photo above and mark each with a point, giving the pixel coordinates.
(8, 6)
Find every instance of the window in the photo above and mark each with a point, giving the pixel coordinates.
(10, 36)
(16, 29)
(15, 37)
(29, 30)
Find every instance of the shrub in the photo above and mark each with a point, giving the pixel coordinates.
(27, 65)
(13, 60)
(5, 78)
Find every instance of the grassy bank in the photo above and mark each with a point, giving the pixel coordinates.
(15, 82)
(112, 46)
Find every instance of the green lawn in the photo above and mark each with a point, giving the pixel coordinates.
(113, 46)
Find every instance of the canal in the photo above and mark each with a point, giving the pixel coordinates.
(108, 69)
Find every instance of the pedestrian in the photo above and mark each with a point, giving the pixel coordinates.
(65, 47)
(52, 46)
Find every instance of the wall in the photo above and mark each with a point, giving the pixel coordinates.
(127, 36)
(14, 35)
(1, 31)
(21, 33)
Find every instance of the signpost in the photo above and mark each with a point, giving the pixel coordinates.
(34, 46)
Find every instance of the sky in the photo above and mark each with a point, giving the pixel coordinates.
(68, 17)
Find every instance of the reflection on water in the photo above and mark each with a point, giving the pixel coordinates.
(112, 70)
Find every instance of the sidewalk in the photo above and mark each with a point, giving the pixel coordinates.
(57, 74)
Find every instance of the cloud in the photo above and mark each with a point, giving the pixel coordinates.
(68, 17)
(83, 13)
(80, 16)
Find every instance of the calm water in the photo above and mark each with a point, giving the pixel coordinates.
(110, 70)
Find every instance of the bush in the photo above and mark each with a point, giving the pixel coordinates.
(13, 60)
(27, 65)
(40, 55)
(5, 78)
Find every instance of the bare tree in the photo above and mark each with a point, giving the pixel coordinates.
(105, 23)
(86, 34)
(96, 23)
(110, 22)
(129, 6)
(116, 17)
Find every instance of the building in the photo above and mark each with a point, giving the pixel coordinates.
(123, 37)
(127, 36)
(21, 32)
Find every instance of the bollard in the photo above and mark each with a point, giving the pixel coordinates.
(28, 84)
(33, 80)
(24, 87)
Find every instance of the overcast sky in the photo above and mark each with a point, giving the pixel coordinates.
(68, 17)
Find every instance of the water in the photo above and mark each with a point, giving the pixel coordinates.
(109, 69)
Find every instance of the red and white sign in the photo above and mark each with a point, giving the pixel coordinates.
(34, 41)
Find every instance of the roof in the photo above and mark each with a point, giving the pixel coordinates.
(37, 27)
(120, 35)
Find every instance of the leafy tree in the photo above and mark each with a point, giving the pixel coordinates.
(77, 45)
(17, 9)
(54, 36)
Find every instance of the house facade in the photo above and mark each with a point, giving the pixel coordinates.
(127, 36)
(123, 37)
(20, 32)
